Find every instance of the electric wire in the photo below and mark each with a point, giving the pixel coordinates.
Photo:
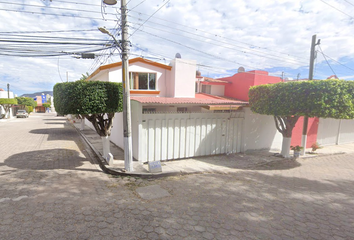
(209, 33)
(194, 49)
(57, 15)
(338, 62)
(50, 7)
(246, 51)
(336, 9)
(136, 5)
(150, 17)
(348, 2)
(329, 65)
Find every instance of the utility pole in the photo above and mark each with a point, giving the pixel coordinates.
(306, 120)
(8, 90)
(127, 127)
(124, 47)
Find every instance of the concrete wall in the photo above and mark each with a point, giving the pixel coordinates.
(162, 75)
(260, 132)
(136, 109)
(335, 131)
(3, 94)
(182, 82)
(312, 130)
(217, 90)
(117, 134)
(241, 83)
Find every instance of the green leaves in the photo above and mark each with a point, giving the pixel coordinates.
(9, 101)
(27, 101)
(88, 97)
(325, 98)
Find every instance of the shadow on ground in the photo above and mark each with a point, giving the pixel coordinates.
(48, 160)
(251, 161)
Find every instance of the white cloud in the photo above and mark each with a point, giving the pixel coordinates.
(221, 34)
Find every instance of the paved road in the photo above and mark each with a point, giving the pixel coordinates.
(50, 189)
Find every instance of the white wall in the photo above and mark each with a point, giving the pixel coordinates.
(183, 78)
(115, 75)
(3, 94)
(183, 135)
(136, 110)
(117, 135)
(217, 90)
(260, 132)
(335, 131)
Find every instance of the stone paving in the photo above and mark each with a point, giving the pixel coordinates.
(51, 189)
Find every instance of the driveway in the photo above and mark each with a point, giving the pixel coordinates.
(51, 189)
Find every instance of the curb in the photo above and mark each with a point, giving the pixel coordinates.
(102, 163)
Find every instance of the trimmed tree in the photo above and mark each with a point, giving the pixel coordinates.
(290, 100)
(7, 103)
(94, 100)
(26, 102)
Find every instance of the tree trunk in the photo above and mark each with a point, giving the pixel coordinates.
(82, 125)
(102, 123)
(285, 125)
(106, 147)
(285, 148)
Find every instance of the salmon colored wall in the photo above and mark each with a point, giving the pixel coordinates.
(311, 132)
(241, 83)
(239, 87)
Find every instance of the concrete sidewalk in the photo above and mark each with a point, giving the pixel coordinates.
(249, 160)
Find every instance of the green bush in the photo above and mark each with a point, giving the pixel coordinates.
(8, 101)
(325, 98)
(88, 97)
(29, 109)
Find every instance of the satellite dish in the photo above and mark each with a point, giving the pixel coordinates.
(178, 55)
(241, 69)
(110, 2)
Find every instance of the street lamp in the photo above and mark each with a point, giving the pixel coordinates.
(110, 2)
(124, 47)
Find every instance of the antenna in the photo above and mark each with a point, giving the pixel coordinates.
(178, 55)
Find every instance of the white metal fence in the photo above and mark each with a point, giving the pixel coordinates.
(165, 136)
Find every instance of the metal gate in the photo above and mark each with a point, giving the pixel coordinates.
(165, 136)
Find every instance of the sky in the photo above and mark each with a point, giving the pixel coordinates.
(41, 41)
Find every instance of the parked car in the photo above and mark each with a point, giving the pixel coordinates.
(22, 113)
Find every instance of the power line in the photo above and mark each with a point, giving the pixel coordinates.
(50, 7)
(336, 9)
(246, 51)
(57, 15)
(194, 49)
(136, 5)
(150, 17)
(209, 33)
(338, 62)
(348, 2)
(329, 65)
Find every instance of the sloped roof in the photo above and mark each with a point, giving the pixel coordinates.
(200, 99)
(131, 61)
(212, 80)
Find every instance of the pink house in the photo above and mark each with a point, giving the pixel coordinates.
(237, 86)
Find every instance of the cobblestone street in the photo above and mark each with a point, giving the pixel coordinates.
(51, 189)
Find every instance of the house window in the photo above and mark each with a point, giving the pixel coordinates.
(142, 81)
(149, 110)
(206, 89)
(182, 109)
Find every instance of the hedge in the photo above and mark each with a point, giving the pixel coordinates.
(88, 97)
(317, 98)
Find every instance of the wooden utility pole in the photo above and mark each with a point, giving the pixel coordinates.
(306, 120)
